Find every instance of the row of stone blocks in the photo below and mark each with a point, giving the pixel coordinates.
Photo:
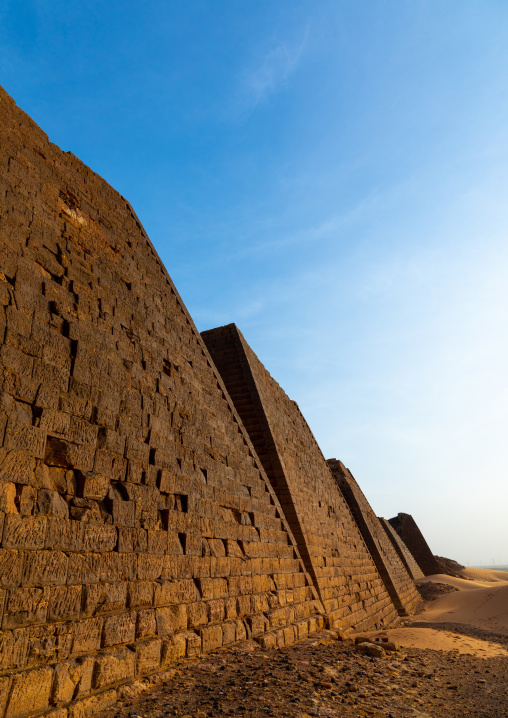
(153, 505)
(87, 684)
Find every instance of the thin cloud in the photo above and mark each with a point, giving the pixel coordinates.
(271, 72)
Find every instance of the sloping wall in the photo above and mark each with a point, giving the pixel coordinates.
(403, 552)
(334, 552)
(396, 578)
(405, 526)
(137, 525)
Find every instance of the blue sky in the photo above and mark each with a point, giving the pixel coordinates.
(333, 177)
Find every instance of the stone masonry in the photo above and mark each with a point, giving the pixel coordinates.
(403, 552)
(397, 581)
(137, 524)
(330, 544)
(405, 526)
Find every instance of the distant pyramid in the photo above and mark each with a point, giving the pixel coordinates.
(405, 526)
(329, 541)
(396, 578)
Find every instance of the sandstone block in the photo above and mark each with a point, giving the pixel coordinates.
(132, 540)
(83, 568)
(11, 563)
(99, 538)
(48, 643)
(175, 648)
(228, 633)
(25, 607)
(55, 422)
(213, 588)
(7, 498)
(87, 635)
(119, 629)
(91, 705)
(149, 567)
(104, 598)
(194, 644)
(110, 464)
(114, 666)
(370, 649)
(141, 594)
(169, 592)
(157, 542)
(123, 512)
(30, 693)
(64, 534)
(64, 603)
(216, 610)
(146, 624)
(93, 485)
(16, 360)
(13, 649)
(118, 567)
(211, 637)
(171, 619)
(44, 568)
(72, 679)
(197, 614)
(148, 656)
(166, 481)
(16, 466)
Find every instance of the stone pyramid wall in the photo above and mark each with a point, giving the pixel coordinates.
(402, 550)
(397, 581)
(405, 526)
(137, 524)
(331, 546)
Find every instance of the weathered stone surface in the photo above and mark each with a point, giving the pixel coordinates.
(23, 532)
(25, 607)
(114, 666)
(30, 693)
(72, 679)
(119, 629)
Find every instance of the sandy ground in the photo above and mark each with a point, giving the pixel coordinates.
(480, 603)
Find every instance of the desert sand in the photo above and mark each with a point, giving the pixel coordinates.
(480, 601)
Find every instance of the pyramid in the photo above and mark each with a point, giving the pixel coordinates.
(138, 526)
(407, 529)
(332, 548)
(402, 550)
(396, 578)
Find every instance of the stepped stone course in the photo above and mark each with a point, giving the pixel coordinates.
(330, 543)
(407, 529)
(397, 581)
(137, 524)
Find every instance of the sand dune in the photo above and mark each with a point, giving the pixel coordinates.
(484, 574)
(481, 602)
(485, 607)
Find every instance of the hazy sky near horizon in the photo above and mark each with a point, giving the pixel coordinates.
(331, 176)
